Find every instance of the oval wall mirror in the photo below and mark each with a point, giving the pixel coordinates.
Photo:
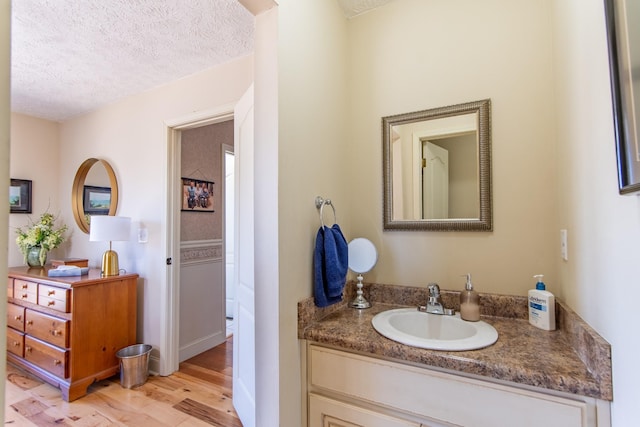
(94, 192)
(437, 169)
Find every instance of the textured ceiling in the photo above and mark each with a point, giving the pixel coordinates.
(69, 57)
(357, 7)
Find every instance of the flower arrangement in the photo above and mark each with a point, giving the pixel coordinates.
(42, 234)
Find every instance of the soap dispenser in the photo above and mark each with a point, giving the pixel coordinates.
(469, 302)
(542, 306)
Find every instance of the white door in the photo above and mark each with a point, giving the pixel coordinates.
(229, 218)
(435, 182)
(244, 367)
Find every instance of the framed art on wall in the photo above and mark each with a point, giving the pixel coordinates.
(197, 195)
(624, 66)
(20, 196)
(96, 200)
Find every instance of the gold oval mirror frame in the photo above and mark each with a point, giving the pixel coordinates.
(77, 191)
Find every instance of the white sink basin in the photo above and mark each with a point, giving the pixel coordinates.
(433, 331)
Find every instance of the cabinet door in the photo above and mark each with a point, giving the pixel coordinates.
(448, 399)
(325, 412)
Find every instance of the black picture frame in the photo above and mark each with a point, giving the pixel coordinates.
(20, 196)
(96, 200)
(192, 200)
(622, 53)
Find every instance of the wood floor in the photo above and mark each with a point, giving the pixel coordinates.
(199, 394)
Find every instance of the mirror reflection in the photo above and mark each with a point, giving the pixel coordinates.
(94, 192)
(437, 169)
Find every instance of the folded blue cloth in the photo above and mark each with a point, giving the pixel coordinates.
(67, 271)
(330, 265)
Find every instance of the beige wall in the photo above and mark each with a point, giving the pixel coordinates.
(35, 155)
(600, 279)
(270, 402)
(413, 55)
(314, 160)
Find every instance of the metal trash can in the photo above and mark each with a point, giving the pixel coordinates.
(134, 365)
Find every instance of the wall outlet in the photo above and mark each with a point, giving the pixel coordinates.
(564, 250)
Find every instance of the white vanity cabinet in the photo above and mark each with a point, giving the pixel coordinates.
(348, 390)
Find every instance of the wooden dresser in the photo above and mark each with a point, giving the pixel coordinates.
(67, 330)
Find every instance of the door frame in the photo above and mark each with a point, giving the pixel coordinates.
(170, 298)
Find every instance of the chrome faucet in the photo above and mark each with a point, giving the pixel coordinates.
(434, 303)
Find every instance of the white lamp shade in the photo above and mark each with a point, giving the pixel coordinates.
(104, 228)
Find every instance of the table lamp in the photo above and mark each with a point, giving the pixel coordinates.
(105, 228)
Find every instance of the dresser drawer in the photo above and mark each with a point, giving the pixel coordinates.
(25, 291)
(54, 297)
(47, 328)
(10, 287)
(15, 316)
(15, 342)
(46, 356)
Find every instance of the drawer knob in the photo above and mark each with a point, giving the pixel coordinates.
(24, 286)
(16, 344)
(57, 362)
(30, 322)
(51, 293)
(50, 303)
(18, 317)
(24, 296)
(55, 333)
(28, 349)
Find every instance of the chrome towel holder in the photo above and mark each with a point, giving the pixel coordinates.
(320, 204)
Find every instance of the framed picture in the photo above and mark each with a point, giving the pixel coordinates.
(96, 200)
(624, 57)
(197, 195)
(20, 196)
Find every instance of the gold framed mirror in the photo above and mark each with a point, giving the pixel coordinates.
(94, 192)
(437, 169)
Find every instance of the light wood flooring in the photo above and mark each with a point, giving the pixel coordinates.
(199, 394)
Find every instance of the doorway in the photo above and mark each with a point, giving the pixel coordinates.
(171, 329)
(202, 323)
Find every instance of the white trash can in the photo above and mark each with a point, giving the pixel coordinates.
(134, 365)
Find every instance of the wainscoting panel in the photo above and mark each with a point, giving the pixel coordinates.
(202, 297)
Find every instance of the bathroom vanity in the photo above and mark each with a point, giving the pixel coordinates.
(356, 377)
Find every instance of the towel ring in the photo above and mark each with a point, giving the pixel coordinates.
(320, 204)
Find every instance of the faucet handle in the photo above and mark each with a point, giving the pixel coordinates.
(434, 290)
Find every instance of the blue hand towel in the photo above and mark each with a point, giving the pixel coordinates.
(330, 267)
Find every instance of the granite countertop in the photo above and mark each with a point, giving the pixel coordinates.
(572, 359)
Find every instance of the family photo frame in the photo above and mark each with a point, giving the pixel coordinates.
(197, 195)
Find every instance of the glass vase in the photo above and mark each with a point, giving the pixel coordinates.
(34, 259)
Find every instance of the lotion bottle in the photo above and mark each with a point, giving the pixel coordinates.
(469, 302)
(542, 306)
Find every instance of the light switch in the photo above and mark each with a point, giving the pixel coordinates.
(564, 250)
(143, 235)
